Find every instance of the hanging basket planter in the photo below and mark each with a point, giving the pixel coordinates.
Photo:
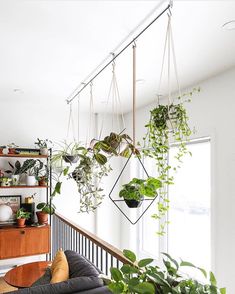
(136, 192)
(70, 158)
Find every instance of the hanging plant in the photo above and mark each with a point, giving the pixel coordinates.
(134, 192)
(88, 176)
(113, 145)
(168, 123)
(90, 170)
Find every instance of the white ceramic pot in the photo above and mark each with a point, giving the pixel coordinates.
(5, 212)
(44, 151)
(31, 181)
(15, 180)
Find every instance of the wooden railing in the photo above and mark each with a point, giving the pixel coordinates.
(69, 236)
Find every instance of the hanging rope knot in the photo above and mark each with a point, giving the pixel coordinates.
(134, 44)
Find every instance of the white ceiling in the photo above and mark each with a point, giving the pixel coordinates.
(49, 47)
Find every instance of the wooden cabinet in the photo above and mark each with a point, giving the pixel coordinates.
(18, 242)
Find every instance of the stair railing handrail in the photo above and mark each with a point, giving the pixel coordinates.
(113, 251)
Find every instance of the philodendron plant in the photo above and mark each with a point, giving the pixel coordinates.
(144, 278)
(167, 124)
(113, 145)
(134, 192)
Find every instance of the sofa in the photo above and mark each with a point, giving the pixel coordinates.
(83, 279)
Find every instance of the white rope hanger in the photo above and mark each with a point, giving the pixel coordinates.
(70, 123)
(169, 48)
(116, 105)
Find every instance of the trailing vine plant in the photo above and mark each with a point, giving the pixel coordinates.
(167, 123)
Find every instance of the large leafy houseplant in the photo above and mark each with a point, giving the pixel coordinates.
(144, 278)
(167, 124)
(134, 192)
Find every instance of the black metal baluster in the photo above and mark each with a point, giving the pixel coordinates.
(89, 249)
(106, 262)
(97, 256)
(93, 253)
(101, 259)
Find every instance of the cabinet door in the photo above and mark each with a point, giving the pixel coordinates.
(23, 242)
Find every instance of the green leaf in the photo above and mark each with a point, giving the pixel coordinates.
(172, 260)
(145, 262)
(65, 171)
(222, 290)
(128, 269)
(57, 189)
(145, 288)
(100, 158)
(133, 282)
(116, 274)
(213, 279)
(116, 288)
(41, 205)
(129, 255)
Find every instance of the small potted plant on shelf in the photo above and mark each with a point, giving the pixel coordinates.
(43, 145)
(2, 148)
(5, 182)
(134, 192)
(21, 216)
(12, 148)
(45, 209)
(31, 168)
(15, 172)
(42, 175)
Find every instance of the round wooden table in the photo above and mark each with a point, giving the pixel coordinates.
(25, 275)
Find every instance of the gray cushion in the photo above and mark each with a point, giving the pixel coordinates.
(79, 266)
(72, 286)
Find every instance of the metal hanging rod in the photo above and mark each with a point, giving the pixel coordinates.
(119, 53)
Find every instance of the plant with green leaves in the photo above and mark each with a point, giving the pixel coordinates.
(32, 167)
(43, 143)
(168, 123)
(88, 176)
(48, 208)
(15, 169)
(67, 152)
(21, 213)
(137, 189)
(113, 145)
(142, 277)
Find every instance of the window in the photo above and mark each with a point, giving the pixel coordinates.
(188, 235)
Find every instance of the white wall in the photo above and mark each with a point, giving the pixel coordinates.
(212, 113)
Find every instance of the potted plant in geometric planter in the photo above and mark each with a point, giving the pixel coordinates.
(21, 216)
(45, 209)
(134, 192)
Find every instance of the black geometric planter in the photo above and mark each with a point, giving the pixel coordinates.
(131, 203)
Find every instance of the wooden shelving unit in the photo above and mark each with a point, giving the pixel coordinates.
(23, 186)
(24, 155)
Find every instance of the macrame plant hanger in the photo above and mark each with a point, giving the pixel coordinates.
(116, 105)
(91, 117)
(70, 124)
(115, 201)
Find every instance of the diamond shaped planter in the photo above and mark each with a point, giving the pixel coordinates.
(116, 201)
